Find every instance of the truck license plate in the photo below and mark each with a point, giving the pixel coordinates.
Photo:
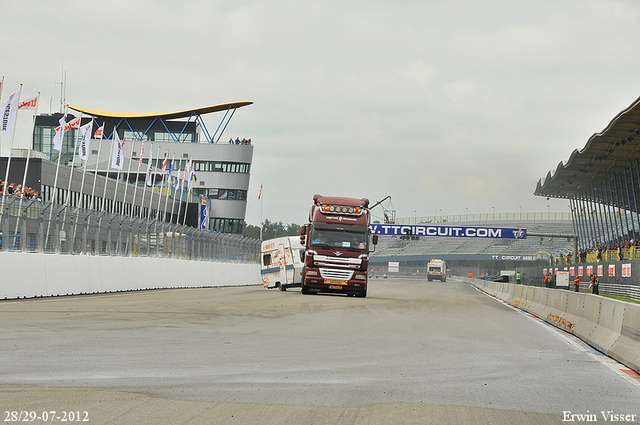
(335, 287)
(335, 282)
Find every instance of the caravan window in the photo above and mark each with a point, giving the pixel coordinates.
(266, 259)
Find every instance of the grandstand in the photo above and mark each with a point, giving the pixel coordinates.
(414, 248)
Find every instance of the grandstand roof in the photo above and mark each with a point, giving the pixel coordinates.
(164, 115)
(610, 151)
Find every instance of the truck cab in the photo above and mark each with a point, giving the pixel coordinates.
(437, 270)
(337, 242)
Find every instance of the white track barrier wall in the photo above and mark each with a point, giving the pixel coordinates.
(611, 326)
(37, 275)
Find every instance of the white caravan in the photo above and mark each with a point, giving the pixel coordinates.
(281, 264)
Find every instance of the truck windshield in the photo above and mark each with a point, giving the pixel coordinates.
(347, 237)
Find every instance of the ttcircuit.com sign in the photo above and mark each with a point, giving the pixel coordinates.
(448, 231)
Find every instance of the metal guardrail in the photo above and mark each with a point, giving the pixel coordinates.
(35, 226)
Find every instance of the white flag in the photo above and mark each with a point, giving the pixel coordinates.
(57, 139)
(9, 111)
(86, 137)
(29, 103)
(149, 174)
(118, 155)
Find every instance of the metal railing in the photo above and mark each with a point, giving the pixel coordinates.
(35, 226)
(459, 218)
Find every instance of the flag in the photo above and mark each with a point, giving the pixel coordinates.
(68, 126)
(8, 115)
(260, 194)
(141, 154)
(183, 178)
(99, 132)
(192, 179)
(204, 213)
(171, 166)
(149, 173)
(164, 164)
(118, 155)
(86, 137)
(57, 139)
(29, 103)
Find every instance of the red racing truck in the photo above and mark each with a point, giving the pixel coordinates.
(336, 246)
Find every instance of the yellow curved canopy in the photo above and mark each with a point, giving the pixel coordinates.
(164, 115)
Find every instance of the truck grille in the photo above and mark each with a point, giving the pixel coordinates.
(323, 260)
(336, 274)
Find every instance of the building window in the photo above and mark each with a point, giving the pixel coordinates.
(221, 167)
(228, 194)
(226, 225)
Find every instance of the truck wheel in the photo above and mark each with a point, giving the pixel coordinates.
(362, 294)
(282, 288)
(304, 289)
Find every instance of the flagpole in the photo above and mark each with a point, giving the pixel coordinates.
(106, 180)
(73, 161)
(184, 219)
(175, 193)
(26, 166)
(95, 173)
(166, 198)
(63, 123)
(126, 186)
(261, 201)
(164, 166)
(13, 133)
(84, 152)
(86, 160)
(180, 184)
(120, 159)
(153, 185)
(144, 191)
(135, 188)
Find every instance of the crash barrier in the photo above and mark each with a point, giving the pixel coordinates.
(26, 275)
(610, 326)
(35, 226)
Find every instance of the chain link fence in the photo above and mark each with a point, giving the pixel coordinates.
(35, 226)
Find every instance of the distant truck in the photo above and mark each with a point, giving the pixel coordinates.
(437, 270)
(281, 263)
(336, 243)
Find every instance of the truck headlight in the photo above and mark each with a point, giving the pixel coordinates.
(312, 273)
(360, 276)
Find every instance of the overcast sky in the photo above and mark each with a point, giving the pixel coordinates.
(443, 105)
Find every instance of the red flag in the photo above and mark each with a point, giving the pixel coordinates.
(260, 194)
(164, 164)
(141, 154)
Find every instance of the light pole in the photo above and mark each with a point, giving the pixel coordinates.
(440, 215)
(520, 212)
(467, 209)
(494, 212)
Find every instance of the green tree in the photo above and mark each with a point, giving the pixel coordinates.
(271, 229)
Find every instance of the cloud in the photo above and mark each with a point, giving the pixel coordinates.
(442, 105)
